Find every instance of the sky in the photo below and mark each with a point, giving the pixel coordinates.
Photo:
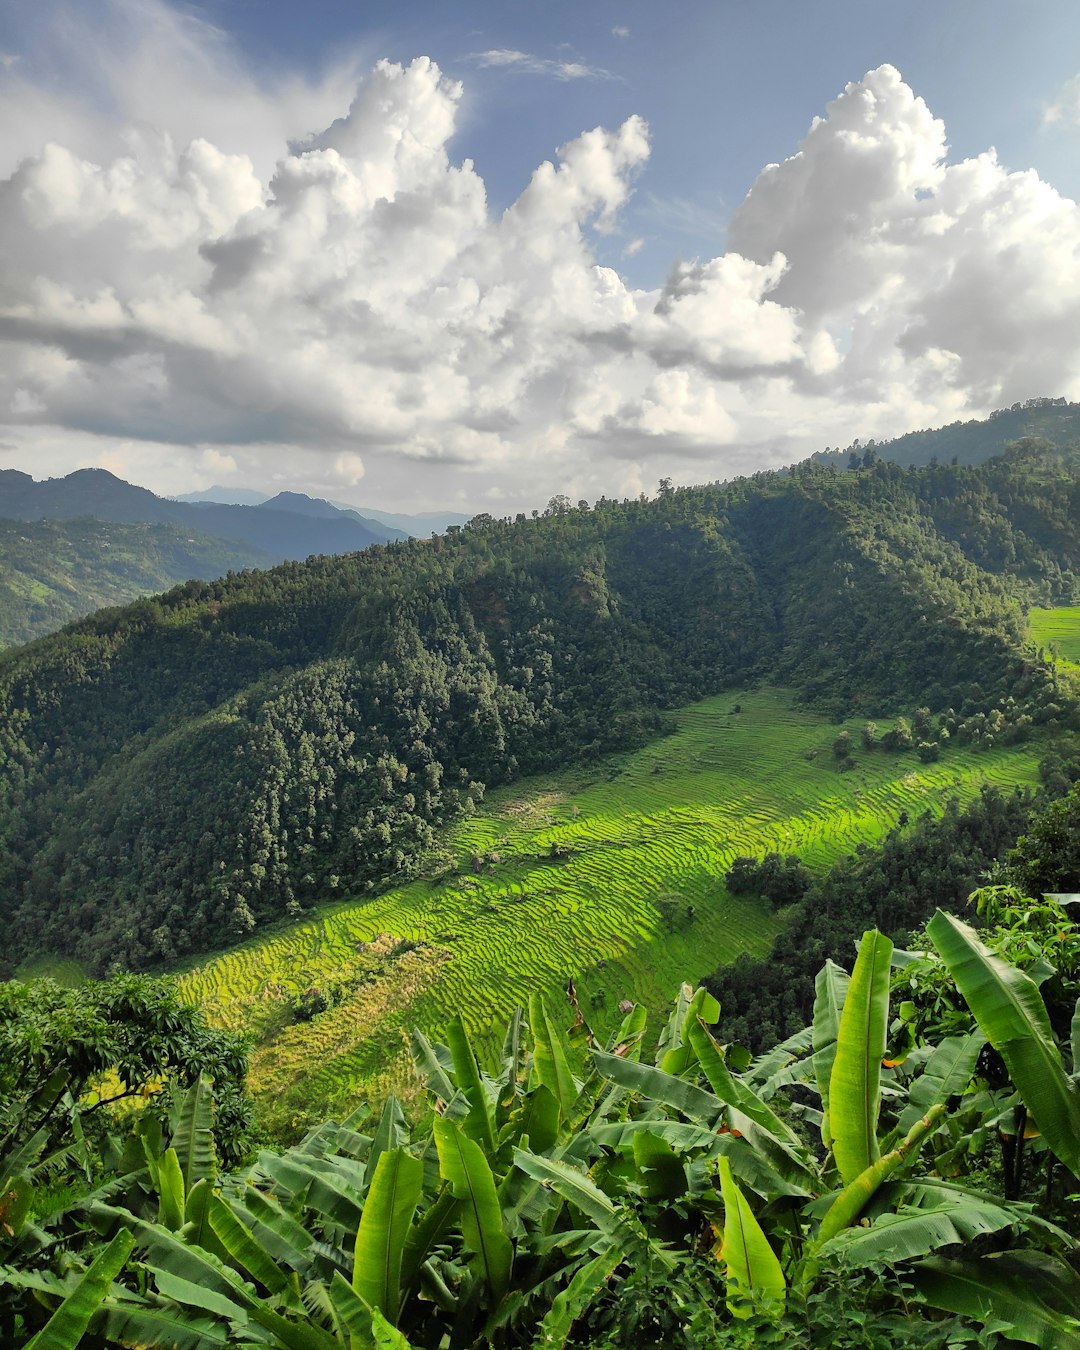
(468, 256)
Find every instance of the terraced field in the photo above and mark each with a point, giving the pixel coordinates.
(612, 875)
(1058, 629)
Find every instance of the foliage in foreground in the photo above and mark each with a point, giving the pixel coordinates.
(691, 1197)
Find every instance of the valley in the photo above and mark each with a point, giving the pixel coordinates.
(590, 872)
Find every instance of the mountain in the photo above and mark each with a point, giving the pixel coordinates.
(175, 773)
(1053, 420)
(53, 571)
(226, 496)
(282, 533)
(324, 510)
(418, 526)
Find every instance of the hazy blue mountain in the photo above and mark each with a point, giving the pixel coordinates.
(225, 496)
(418, 526)
(320, 508)
(281, 533)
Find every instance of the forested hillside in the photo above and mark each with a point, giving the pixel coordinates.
(177, 773)
(53, 571)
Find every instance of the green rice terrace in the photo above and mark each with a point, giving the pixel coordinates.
(1058, 630)
(611, 874)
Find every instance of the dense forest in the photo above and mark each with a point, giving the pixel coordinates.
(177, 772)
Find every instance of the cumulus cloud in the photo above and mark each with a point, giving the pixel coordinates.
(352, 308)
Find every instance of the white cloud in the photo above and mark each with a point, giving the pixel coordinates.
(528, 64)
(1066, 104)
(350, 307)
(620, 31)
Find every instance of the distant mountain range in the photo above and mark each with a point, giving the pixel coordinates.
(70, 545)
(417, 526)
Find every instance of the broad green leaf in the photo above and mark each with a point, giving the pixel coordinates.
(680, 1055)
(550, 1055)
(237, 1240)
(478, 1123)
(830, 990)
(193, 1138)
(469, 1175)
(541, 1120)
(193, 1295)
(855, 1081)
(170, 1184)
(948, 1071)
(129, 1324)
(430, 1065)
(660, 1168)
(671, 1036)
(576, 1298)
(196, 1230)
(67, 1326)
(775, 1066)
(918, 1232)
(733, 1092)
(513, 1048)
(384, 1229)
(393, 1132)
(1010, 1011)
(579, 1190)
(1074, 1037)
(662, 1087)
(1038, 1297)
(755, 1279)
(630, 1034)
(385, 1336)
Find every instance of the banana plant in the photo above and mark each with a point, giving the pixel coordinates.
(862, 1202)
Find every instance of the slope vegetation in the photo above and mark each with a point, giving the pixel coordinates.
(52, 572)
(174, 775)
(612, 875)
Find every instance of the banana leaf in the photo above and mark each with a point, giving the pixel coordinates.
(662, 1087)
(193, 1138)
(855, 1080)
(830, 990)
(679, 1055)
(911, 1232)
(755, 1279)
(170, 1183)
(1010, 1011)
(383, 1231)
(131, 1325)
(469, 1175)
(948, 1071)
(732, 1091)
(478, 1123)
(242, 1248)
(575, 1299)
(579, 1189)
(393, 1132)
(67, 1326)
(1036, 1296)
(550, 1057)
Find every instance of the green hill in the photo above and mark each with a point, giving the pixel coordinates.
(54, 571)
(612, 874)
(179, 773)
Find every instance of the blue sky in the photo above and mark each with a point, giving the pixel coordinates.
(216, 271)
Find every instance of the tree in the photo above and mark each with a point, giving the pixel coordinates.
(57, 1045)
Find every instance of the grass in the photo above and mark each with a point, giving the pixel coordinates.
(635, 904)
(1058, 630)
